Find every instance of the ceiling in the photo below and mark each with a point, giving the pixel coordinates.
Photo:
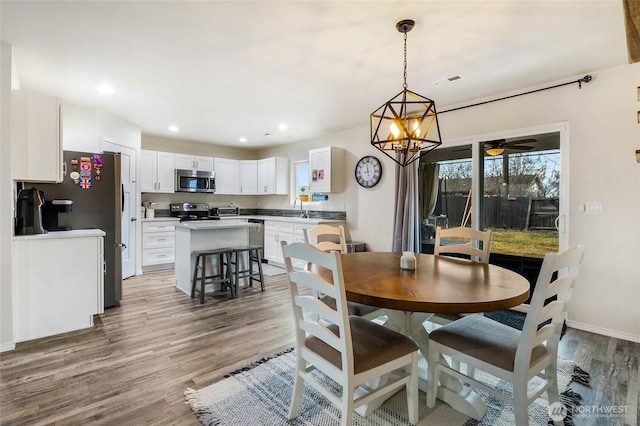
(221, 70)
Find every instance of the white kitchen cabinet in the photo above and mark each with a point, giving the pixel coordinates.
(157, 171)
(193, 162)
(227, 175)
(327, 169)
(58, 282)
(158, 244)
(273, 176)
(274, 232)
(36, 137)
(248, 177)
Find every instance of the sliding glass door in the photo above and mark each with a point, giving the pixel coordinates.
(511, 185)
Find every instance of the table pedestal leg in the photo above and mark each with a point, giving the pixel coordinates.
(459, 397)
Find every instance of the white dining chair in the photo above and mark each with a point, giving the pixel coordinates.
(350, 350)
(505, 352)
(463, 241)
(326, 238)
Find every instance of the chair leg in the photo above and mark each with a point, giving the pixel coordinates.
(347, 404)
(433, 358)
(297, 389)
(412, 390)
(203, 277)
(232, 285)
(259, 257)
(195, 277)
(520, 404)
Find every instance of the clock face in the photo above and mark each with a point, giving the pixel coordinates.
(368, 171)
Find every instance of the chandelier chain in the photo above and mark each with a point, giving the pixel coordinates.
(405, 60)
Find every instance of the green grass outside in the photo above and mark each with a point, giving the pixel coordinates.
(521, 243)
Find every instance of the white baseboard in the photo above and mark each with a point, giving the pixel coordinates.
(590, 328)
(604, 331)
(5, 347)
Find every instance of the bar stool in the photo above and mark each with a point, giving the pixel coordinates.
(223, 277)
(254, 254)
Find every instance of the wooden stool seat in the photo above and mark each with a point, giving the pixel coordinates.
(223, 277)
(254, 255)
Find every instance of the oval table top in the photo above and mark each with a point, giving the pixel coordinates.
(439, 284)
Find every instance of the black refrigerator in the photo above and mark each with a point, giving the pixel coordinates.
(93, 183)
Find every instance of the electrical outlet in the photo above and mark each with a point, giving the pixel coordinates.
(593, 208)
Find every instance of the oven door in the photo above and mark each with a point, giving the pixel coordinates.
(194, 181)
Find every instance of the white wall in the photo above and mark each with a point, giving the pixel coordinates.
(83, 129)
(6, 200)
(604, 134)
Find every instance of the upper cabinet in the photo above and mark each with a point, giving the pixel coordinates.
(227, 175)
(157, 171)
(193, 162)
(273, 176)
(248, 177)
(36, 137)
(327, 169)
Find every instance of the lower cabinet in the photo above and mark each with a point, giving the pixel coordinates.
(274, 232)
(158, 244)
(58, 282)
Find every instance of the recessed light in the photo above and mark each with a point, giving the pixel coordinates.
(174, 128)
(283, 126)
(242, 139)
(105, 89)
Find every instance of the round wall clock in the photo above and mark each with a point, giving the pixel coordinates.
(368, 171)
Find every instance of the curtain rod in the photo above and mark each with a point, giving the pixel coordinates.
(585, 79)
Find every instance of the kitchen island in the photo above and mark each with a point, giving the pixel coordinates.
(205, 235)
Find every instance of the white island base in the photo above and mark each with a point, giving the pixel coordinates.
(206, 235)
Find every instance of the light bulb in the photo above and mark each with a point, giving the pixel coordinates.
(416, 128)
(394, 129)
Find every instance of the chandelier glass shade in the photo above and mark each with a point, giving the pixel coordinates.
(406, 125)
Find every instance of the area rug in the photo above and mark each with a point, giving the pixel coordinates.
(259, 395)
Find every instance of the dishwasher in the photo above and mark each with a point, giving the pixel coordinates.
(256, 235)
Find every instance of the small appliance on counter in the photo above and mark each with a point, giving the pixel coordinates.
(29, 212)
(188, 212)
(225, 211)
(50, 214)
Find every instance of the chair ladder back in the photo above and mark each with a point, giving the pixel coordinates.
(309, 281)
(568, 260)
(314, 236)
(469, 244)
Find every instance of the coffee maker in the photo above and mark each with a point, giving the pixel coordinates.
(29, 212)
(50, 214)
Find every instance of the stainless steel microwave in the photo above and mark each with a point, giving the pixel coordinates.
(195, 181)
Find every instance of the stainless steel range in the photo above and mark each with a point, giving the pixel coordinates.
(191, 211)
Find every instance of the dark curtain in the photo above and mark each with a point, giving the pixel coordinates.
(427, 188)
(632, 28)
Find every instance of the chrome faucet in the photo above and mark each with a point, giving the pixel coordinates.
(302, 214)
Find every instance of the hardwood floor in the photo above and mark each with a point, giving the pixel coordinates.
(134, 365)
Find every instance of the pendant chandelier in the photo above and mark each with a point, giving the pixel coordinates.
(407, 124)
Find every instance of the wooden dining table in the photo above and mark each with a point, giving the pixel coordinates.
(438, 285)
